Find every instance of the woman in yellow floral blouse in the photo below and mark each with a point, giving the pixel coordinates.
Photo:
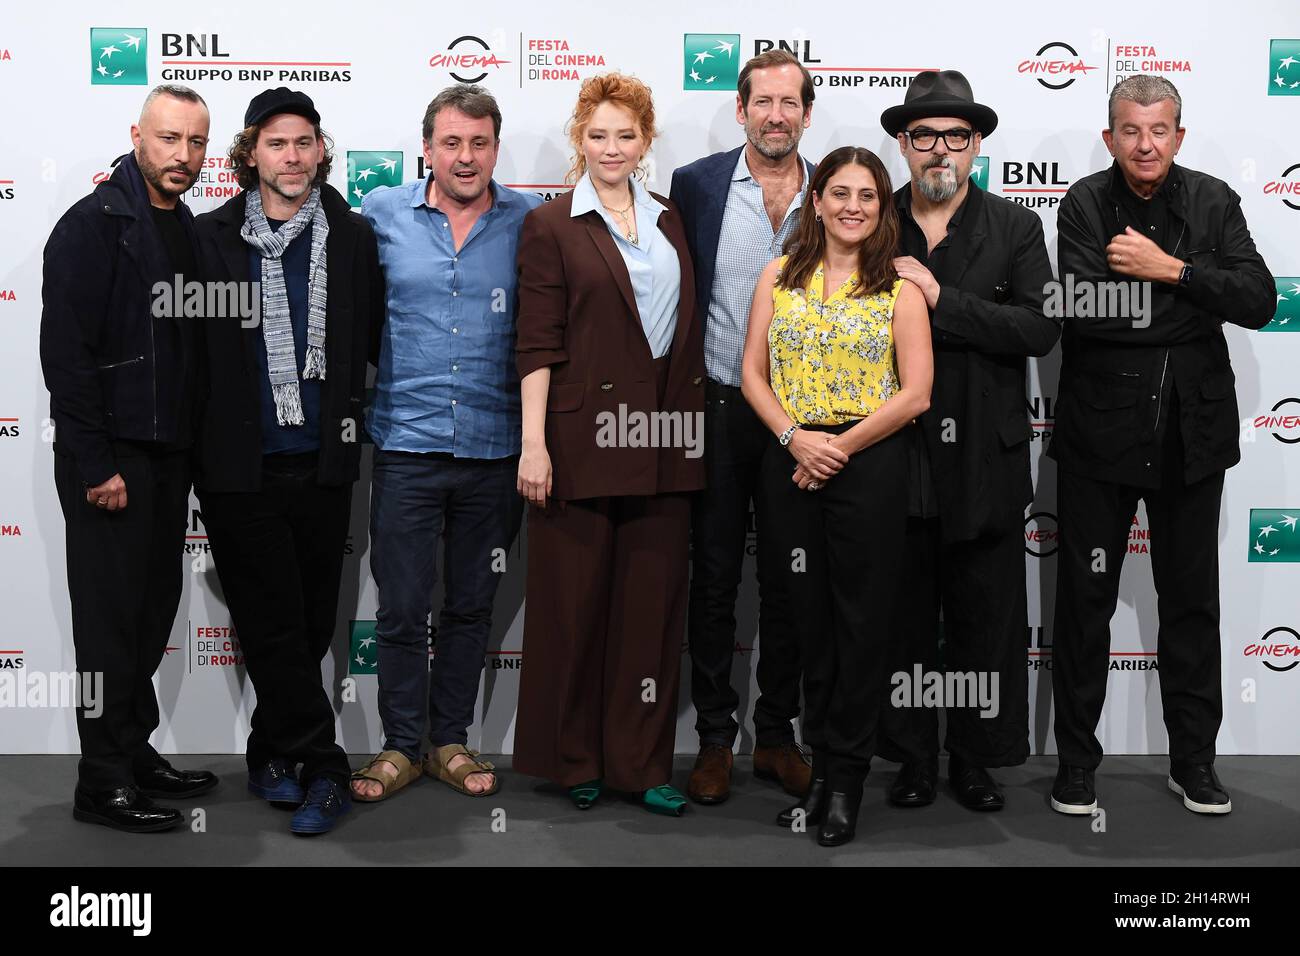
(837, 361)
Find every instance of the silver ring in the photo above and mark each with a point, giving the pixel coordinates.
(814, 485)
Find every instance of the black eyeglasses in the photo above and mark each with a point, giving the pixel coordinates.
(923, 138)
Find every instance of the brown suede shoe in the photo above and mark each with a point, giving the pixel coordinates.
(788, 764)
(711, 777)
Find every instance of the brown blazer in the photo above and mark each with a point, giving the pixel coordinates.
(578, 314)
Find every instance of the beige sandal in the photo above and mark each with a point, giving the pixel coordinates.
(406, 772)
(435, 765)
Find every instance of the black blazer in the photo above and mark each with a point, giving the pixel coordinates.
(578, 315)
(229, 443)
(699, 191)
(988, 319)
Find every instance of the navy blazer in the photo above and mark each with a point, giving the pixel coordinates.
(699, 190)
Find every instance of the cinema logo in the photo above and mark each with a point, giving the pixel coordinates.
(216, 180)
(1042, 415)
(1284, 186)
(1055, 66)
(200, 58)
(468, 59)
(1130, 59)
(1282, 421)
(556, 60)
(1042, 535)
(215, 646)
(842, 77)
(1139, 537)
(1281, 644)
(10, 531)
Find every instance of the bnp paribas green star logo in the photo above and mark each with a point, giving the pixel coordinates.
(1287, 316)
(1274, 535)
(710, 61)
(118, 56)
(368, 168)
(363, 651)
(1284, 67)
(979, 172)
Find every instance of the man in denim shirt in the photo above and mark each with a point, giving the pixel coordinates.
(446, 427)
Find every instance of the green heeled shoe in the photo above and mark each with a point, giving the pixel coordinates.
(665, 800)
(585, 794)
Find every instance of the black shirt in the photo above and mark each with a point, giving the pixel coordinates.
(922, 502)
(180, 253)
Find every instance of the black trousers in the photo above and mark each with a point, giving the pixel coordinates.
(839, 556)
(279, 555)
(125, 572)
(735, 445)
(1094, 519)
(980, 586)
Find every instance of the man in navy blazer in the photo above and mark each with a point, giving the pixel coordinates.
(739, 207)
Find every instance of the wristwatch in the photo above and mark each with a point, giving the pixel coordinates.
(788, 434)
(1185, 277)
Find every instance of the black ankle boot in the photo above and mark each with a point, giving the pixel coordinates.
(840, 821)
(813, 804)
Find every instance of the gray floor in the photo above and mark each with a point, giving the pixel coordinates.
(427, 823)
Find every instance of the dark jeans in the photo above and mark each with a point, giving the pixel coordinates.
(1185, 566)
(841, 547)
(125, 571)
(735, 444)
(980, 586)
(473, 507)
(279, 555)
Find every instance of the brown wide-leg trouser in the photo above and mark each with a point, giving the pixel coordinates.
(604, 625)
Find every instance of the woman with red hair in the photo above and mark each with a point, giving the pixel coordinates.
(611, 358)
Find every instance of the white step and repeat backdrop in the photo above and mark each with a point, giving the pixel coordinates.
(72, 80)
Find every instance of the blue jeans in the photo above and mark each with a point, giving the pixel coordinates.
(472, 505)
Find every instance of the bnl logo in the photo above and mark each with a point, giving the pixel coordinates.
(118, 56)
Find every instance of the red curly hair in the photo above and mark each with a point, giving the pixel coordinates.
(620, 89)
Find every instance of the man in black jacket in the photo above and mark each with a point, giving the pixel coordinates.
(119, 367)
(982, 265)
(1147, 410)
(280, 438)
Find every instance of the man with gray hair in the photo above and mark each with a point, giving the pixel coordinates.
(447, 431)
(1147, 411)
(122, 390)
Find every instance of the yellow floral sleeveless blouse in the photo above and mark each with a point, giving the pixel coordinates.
(831, 357)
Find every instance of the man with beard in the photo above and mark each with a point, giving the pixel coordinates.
(121, 374)
(739, 207)
(447, 430)
(982, 265)
(280, 444)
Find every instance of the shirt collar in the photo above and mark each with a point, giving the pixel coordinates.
(741, 172)
(500, 196)
(585, 198)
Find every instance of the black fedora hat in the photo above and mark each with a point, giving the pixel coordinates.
(939, 93)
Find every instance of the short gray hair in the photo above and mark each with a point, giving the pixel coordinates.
(174, 90)
(1145, 90)
(472, 100)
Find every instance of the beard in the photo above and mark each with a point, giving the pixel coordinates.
(153, 175)
(291, 192)
(771, 150)
(942, 189)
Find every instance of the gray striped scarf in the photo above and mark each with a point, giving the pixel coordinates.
(277, 328)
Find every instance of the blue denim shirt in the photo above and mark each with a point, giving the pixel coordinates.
(447, 379)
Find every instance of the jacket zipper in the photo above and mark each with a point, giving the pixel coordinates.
(1160, 394)
(131, 361)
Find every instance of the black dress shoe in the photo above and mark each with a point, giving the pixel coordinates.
(1199, 787)
(1074, 790)
(813, 806)
(840, 822)
(164, 780)
(915, 784)
(975, 789)
(125, 808)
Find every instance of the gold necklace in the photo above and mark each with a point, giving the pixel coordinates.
(629, 233)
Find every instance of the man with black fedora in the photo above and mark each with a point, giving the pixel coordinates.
(982, 265)
(279, 444)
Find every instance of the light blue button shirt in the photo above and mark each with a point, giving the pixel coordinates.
(746, 244)
(651, 261)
